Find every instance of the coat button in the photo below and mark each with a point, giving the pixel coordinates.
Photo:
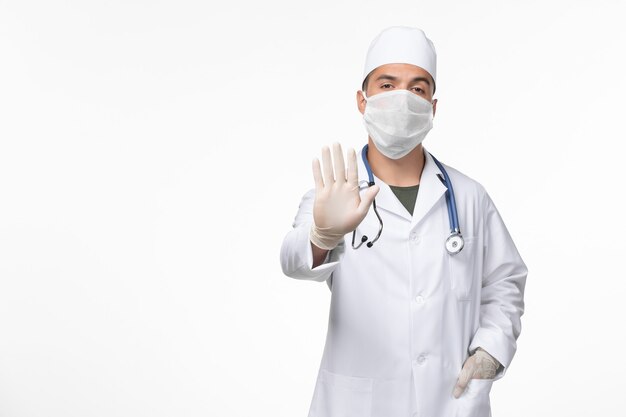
(419, 299)
(421, 359)
(414, 237)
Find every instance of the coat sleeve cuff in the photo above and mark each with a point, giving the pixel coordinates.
(297, 257)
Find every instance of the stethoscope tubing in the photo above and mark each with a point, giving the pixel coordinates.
(450, 200)
(455, 230)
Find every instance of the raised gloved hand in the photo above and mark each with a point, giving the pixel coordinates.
(338, 207)
(481, 365)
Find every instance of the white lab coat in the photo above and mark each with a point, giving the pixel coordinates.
(404, 314)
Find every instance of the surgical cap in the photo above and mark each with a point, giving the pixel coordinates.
(401, 45)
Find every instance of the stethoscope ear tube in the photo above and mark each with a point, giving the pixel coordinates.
(380, 226)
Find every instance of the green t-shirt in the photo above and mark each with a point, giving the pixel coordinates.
(406, 195)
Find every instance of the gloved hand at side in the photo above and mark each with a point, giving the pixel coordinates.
(481, 365)
(338, 208)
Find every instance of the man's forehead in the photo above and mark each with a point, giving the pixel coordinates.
(399, 71)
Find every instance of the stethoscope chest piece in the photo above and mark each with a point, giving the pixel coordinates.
(454, 243)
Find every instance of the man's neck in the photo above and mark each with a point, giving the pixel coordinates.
(402, 172)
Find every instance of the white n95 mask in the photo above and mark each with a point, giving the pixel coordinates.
(397, 121)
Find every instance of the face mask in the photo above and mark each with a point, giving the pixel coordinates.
(397, 121)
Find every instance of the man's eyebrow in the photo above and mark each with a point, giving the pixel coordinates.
(386, 77)
(416, 79)
(392, 78)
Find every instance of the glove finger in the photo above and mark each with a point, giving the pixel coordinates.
(340, 168)
(327, 167)
(353, 176)
(317, 175)
(367, 199)
(464, 377)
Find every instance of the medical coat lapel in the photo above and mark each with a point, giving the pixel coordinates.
(431, 189)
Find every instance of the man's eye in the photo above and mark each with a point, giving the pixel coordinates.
(419, 90)
(386, 85)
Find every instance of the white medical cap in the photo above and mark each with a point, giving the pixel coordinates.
(401, 45)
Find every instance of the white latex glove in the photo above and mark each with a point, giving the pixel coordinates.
(338, 208)
(481, 365)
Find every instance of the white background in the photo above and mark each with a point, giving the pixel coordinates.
(153, 155)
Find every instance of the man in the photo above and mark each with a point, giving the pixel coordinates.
(417, 327)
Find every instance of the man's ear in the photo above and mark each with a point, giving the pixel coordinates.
(360, 101)
(434, 106)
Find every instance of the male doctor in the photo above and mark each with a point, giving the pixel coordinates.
(416, 327)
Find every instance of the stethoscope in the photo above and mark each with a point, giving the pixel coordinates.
(454, 242)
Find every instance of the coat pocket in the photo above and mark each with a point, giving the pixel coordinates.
(339, 395)
(462, 269)
(474, 402)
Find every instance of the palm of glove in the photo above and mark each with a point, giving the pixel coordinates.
(481, 365)
(338, 208)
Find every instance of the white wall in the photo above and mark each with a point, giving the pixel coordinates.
(153, 155)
